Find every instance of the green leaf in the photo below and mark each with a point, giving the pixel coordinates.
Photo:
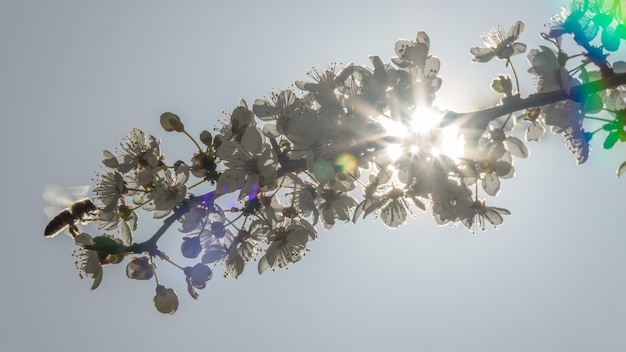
(502, 85)
(610, 140)
(496, 85)
(621, 169)
(608, 126)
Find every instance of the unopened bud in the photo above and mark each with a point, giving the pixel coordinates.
(191, 247)
(165, 300)
(139, 268)
(206, 138)
(171, 122)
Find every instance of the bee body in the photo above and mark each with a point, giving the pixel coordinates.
(83, 210)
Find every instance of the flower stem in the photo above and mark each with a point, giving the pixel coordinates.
(193, 140)
(597, 119)
(514, 75)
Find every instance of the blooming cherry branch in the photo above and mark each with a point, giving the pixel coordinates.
(354, 141)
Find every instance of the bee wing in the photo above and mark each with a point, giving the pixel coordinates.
(63, 197)
(51, 211)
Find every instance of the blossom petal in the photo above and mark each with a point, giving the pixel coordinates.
(270, 130)
(422, 37)
(493, 217)
(534, 132)
(621, 169)
(518, 48)
(126, 234)
(516, 147)
(491, 184)
(482, 54)
(516, 29)
(263, 265)
(230, 180)
(432, 67)
(394, 214)
(252, 140)
(228, 151)
(264, 110)
(401, 45)
(502, 168)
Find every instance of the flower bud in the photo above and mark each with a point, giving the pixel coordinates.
(191, 247)
(139, 268)
(165, 300)
(206, 138)
(171, 122)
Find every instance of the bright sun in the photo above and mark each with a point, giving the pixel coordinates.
(423, 135)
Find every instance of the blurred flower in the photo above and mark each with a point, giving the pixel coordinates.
(578, 21)
(197, 278)
(549, 70)
(566, 117)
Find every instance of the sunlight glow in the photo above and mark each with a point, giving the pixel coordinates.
(425, 120)
(452, 144)
(393, 128)
(394, 151)
(423, 134)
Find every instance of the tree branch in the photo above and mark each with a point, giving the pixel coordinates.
(150, 245)
(478, 120)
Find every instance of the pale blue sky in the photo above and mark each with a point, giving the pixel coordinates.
(75, 76)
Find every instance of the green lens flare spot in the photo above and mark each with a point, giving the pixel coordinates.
(323, 170)
(346, 162)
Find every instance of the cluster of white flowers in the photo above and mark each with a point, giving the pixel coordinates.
(355, 141)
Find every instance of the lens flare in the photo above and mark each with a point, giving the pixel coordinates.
(346, 162)
(423, 134)
(452, 144)
(425, 120)
(394, 151)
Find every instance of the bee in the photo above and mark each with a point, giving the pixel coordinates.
(80, 211)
